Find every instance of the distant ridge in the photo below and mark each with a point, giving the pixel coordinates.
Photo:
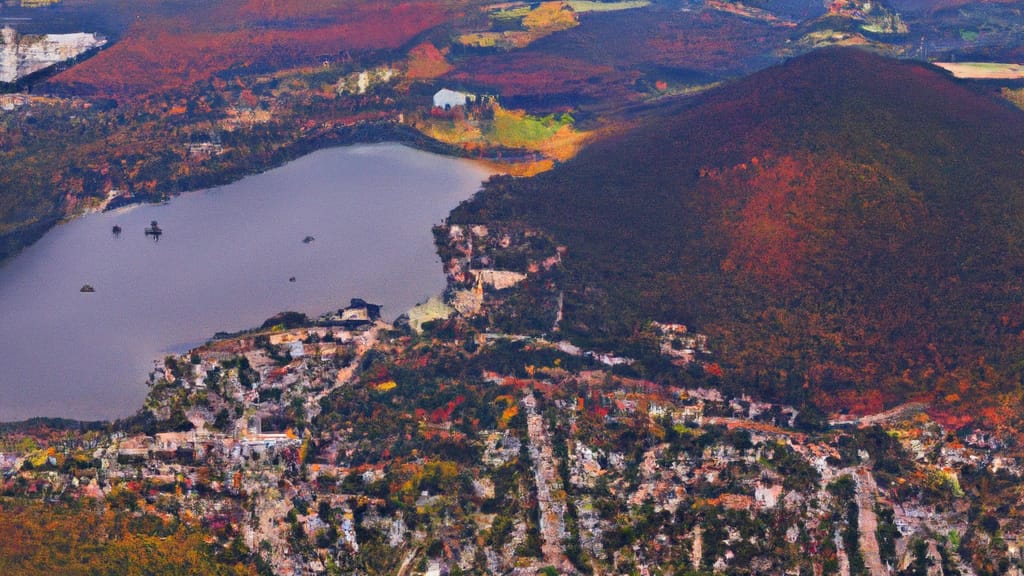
(847, 228)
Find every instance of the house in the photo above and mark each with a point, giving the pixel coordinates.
(359, 313)
(499, 279)
(348, 531)
(767, 496)
(9, 102)
(288, 337)
(446, 99)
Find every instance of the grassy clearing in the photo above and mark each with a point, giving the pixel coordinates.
(510, 16)
(458, 133)
(543, 20)
(550, 17)
(553, 137)
(486, 39)
(593, 6)
(518, 129)
(984, 70)
(432, 309)
(1016, 96)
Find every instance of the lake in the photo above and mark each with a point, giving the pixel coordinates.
(223, 263)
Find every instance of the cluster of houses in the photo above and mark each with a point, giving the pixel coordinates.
(618, 473)
(246, 480)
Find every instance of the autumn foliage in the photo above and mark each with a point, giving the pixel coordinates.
(167, 53)
(846, 228)
(77, 539)
(527, 73)
(426, 62)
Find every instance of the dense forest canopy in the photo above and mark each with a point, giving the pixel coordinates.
(843, 219)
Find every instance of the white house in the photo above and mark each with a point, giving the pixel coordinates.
(448, 99)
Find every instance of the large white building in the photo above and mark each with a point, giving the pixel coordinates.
(448, 99)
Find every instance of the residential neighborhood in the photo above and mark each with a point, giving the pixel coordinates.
(345, 444)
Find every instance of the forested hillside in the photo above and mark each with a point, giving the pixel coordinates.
(842, 220)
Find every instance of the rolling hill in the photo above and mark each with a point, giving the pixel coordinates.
(848, 229)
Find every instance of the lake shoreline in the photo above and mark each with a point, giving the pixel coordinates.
(369, 205)
(377, 132)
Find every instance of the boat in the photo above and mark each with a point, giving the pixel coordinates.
(87, 288)
(154, 230)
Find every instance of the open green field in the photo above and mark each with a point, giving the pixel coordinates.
(984, 70)
(517, 129)
(592, 6)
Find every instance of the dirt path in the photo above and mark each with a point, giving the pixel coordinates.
(868, 522)
(844, 559)
(698, 548)
(407, 562)
(894, 414)
(549, 483)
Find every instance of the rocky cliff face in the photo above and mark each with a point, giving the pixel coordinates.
(23, 55)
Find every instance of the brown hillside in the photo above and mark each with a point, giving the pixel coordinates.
(160, 53)
(848, 229)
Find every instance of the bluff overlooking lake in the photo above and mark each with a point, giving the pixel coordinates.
(24, 55)
(224, 261)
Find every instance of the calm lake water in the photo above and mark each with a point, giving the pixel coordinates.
(223, 263)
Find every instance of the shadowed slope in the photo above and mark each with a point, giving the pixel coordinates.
(843, 219)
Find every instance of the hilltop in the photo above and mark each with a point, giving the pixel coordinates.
(186, 95)
(846, 229)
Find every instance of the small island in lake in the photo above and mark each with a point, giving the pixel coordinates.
(154, 230)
